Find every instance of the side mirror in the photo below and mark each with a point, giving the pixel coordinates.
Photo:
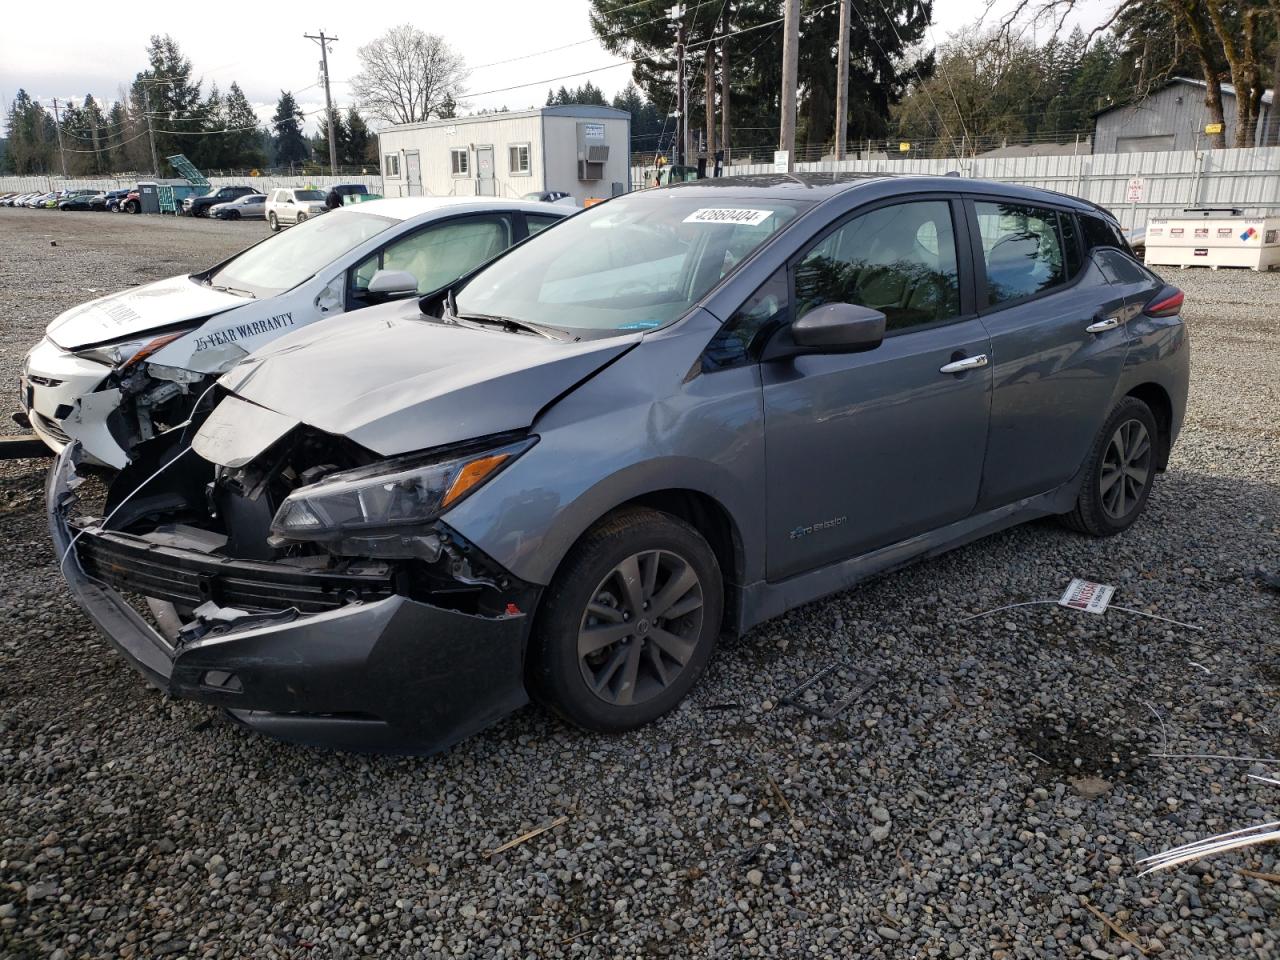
(830, 328)
(389, 284)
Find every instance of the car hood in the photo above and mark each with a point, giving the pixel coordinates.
(137, 310)
(395, 382)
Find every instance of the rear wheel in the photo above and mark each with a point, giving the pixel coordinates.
(272, 221)
(629, 623)
(1119, 472)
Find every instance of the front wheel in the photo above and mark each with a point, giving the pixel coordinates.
(1119, 472)
(300, 218)
(629, 622)
(273, 222)
(232, 214)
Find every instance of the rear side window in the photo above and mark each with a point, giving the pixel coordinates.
(536, 223)
(1022, 247)
(1100, 233)
(1120, 268)
(900, 260)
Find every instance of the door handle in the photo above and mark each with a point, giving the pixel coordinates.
(968, 363)
(1102, 326)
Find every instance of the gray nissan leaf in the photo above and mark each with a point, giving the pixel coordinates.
(658, 423)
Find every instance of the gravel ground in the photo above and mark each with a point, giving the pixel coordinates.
(988, 797)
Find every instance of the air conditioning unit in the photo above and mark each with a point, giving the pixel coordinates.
(592, 151)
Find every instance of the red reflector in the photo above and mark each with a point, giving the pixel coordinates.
(513, 610)
(1166, 307)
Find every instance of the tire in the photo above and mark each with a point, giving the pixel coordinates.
(299, 218)
(132, 207)
(638, 674)
(232, 215)
(272, 222)
(1118, 473)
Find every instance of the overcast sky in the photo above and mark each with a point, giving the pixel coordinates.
(261, 46)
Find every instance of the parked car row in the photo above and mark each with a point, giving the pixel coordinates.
(284, 207)
(387, 476)
(109, 200)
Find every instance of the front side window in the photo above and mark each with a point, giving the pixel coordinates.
(439, 253)
(458, 162)
(391, 164)
(900, 260)
(751, 324)
(637, 262)
(1022, 248)
(285, 260)
(518, 158)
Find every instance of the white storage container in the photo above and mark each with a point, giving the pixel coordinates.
(1214, 242)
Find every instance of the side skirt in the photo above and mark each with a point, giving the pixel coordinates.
(764, 600)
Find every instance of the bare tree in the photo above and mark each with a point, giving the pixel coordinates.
(408, 75)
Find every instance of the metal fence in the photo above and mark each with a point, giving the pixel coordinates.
(1247, 178)
(29, 184)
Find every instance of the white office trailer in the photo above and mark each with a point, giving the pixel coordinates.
(577, 149)
(1210, 241)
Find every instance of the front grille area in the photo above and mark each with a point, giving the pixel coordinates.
(50, 427)
(189, 578)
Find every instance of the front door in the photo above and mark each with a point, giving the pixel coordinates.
(485, 184)
(413, 172)
(867, 449)
(1058, 342)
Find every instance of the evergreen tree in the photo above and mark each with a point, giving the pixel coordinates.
(362, 144)
(175, 101)
(290, 143)
(32, 137)
(320, 143)
(242, 142)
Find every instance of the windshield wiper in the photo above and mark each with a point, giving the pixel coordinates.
(236, 290)
(513, 325)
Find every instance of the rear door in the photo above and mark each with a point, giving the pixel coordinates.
(864, 450)
(1057, 344)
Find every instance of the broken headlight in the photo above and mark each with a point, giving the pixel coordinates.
(380, 510)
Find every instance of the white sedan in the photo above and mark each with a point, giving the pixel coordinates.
(116, 371)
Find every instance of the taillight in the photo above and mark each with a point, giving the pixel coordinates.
(1166, 303)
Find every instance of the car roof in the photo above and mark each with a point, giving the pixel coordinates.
(408, 208)
(818, 187)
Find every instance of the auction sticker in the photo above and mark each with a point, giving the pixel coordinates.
(749, 218)
(1087, 596)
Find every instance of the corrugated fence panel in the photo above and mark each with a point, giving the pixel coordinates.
(1247, 179)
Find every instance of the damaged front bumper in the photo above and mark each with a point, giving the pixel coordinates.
(343, 661)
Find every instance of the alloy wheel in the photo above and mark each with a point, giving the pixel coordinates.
(1126, 469)
(641, 627)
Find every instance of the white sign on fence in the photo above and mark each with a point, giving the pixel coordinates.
(1135, 189)
(780, 161)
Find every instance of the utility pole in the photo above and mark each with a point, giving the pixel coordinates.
(93, 125)
(328, 101)
(842, 83)
(709, 94)
(724, 86)
(682, 99)
(790, 73)
(151, 133)
(57, 126)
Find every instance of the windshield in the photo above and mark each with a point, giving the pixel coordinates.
(634, 263)
(308, 195)
(282, 262)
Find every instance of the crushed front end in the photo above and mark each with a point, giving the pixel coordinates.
(384, 631)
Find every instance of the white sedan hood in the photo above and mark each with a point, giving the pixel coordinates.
(137, 310)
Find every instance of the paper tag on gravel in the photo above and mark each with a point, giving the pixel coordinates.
(1087, 596)
(747, 218)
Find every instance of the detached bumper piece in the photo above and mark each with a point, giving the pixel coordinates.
(331, 659)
